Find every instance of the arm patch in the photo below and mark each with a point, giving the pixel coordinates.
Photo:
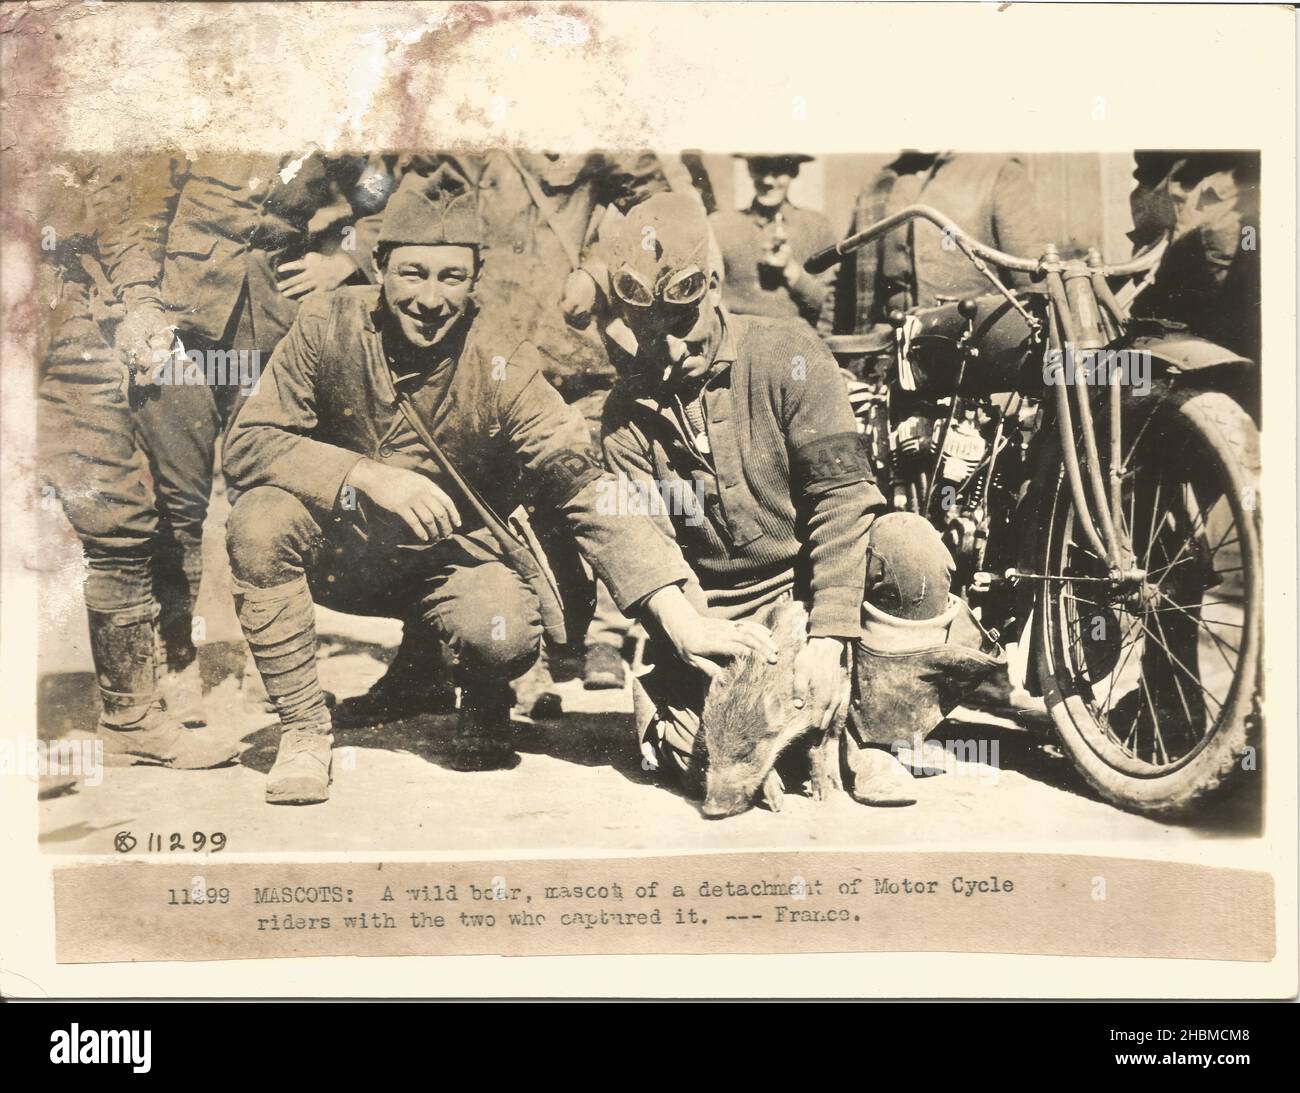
(830, 461)
(563, 474)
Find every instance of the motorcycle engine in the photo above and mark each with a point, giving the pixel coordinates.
(963, 449)
(957, 496)
(911, 446)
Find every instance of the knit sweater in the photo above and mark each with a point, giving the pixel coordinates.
(743, 235)
(786, 486)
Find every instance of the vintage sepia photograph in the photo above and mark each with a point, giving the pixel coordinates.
(461, 486)
(621, 492)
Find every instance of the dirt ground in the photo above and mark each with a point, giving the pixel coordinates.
(579, 783)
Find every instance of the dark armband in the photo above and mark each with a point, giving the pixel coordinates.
(829, 461)
(562, 475)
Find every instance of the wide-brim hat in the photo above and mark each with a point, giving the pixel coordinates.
(793, 158)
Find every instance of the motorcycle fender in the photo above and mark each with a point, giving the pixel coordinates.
(1188, 354)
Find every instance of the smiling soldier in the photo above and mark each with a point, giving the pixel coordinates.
(391, 427)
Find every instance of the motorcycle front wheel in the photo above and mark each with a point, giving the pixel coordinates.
(1152, 683)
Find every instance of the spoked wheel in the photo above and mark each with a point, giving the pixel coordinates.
(1152, 681)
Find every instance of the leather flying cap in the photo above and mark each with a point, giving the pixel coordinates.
(433, 210)
(661, 239)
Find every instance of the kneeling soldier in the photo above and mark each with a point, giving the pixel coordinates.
(343, 500)
(750, 415)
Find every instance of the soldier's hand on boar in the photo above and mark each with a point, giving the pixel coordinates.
(701, 641)
(708, 640)
(427, 510)
(819, 680)
(704, 642)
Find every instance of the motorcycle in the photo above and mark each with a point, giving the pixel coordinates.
(1096, 479)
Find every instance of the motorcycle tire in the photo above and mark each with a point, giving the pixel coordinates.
(1205, 448)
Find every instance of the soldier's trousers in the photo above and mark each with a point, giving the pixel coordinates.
(608, 624)
(132, 470)
(284, 559)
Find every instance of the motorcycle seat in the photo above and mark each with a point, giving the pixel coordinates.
(858, 345)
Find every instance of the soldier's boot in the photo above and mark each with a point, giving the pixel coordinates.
(877, 778)
(415, 683)
(603, 669)
(484, 737)
(135, 728)
(908, 675)
(301, 773)
(535, 692)
(279, 625)
(920, 652)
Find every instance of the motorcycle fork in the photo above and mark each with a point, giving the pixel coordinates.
(1076, 326)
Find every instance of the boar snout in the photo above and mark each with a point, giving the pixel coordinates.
(723, 801)
(725, 798)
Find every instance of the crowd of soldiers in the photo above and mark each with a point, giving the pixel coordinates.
(454, 356)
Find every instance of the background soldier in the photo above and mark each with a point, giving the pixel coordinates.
(989, 196)
(1207, 205)
(765, 246)
(108, 451)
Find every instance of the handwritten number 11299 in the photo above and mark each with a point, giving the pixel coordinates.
(158, 842)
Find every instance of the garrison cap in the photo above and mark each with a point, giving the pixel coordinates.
(432, 210)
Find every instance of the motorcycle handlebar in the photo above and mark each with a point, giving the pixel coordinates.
(829, 256)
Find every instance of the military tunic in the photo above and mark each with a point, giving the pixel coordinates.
(329, 399)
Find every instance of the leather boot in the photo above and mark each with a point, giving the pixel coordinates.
(135, 728)
(484, 737)
(908, 675)
(877, 777)
(301, 774)
(415, 683)
(603, 668)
